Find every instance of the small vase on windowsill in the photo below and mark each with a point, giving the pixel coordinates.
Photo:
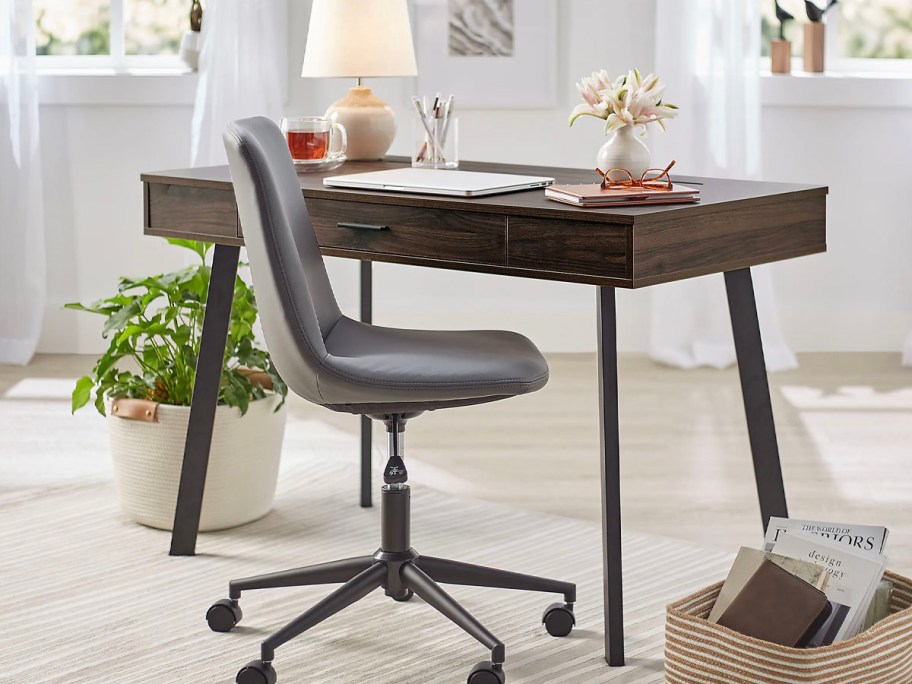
(189, 49)
(624, 150)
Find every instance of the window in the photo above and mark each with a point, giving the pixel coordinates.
(110, 33)
(862, 35)
(875, 29)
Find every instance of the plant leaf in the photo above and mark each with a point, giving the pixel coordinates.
(82, 392)
(201, 248)
(119, 319)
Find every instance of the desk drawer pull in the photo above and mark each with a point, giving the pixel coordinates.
(360, 226)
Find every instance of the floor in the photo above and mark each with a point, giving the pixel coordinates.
(844, 424)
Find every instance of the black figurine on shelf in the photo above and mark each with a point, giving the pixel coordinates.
(814, 37)
(815, 14)
(783, 17)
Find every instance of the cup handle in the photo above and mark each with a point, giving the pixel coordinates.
(338, 133)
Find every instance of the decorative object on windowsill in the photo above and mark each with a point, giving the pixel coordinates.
(155, 325)
(436, 134)
(781, 50)
(359, 39)
(814, 37)
(629, 102)
(190, 41)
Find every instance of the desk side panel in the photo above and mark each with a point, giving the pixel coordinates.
(191, 213)
(731, 238)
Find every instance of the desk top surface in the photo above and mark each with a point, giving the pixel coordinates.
(714, 192)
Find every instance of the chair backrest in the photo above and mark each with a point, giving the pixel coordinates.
(296, 303)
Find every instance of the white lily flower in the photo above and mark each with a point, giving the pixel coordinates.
(628, 100)
(586, 110)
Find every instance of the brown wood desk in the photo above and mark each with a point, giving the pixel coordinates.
(738, 224)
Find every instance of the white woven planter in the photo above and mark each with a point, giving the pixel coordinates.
(243, 464)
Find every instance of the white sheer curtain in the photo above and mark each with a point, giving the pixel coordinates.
(708, 53)
(242, 70)
(22, 258)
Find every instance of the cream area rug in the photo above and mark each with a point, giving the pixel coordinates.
(89, 596)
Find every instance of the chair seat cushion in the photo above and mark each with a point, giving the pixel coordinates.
(369, 364)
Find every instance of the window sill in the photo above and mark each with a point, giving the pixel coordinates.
(146, 86)
(889, 90)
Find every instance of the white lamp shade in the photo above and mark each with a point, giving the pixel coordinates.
(359, 38)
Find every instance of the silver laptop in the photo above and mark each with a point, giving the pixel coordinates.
(438, 182)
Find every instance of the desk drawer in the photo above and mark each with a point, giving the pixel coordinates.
(197, 212)
(410, 231)
(583, 247)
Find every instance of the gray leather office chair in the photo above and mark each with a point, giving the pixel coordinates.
(388, 374)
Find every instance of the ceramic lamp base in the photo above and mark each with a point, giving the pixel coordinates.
(369, 123)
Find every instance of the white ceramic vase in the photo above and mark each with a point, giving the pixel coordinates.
(189, 49)
(243, 464)
(624, 150)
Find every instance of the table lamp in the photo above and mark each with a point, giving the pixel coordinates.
(361, 39)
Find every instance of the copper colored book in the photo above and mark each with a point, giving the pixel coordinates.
(778, 607)
(592, 195)
(624, 203)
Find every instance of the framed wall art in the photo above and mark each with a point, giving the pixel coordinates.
(498, 54)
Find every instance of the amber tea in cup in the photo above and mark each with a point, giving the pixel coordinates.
(308, 145)
(313, 138)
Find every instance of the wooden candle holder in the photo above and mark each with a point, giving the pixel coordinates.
(813, 47)
(781, 56)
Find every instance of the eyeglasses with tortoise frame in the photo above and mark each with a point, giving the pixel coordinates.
(652, 179)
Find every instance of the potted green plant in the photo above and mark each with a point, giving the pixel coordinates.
(143, 383)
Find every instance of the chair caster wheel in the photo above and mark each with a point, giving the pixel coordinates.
(224, 615)
(559, 619)
(487, 672)
(407, 596)
(256, 672)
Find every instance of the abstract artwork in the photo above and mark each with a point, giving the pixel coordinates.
(465, 46)
(480, 28)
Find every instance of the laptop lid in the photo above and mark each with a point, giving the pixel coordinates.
(438, 182)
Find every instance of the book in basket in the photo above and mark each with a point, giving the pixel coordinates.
(863, 537)
(854, 577)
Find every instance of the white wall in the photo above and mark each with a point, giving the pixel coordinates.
(857, 297)
(92, 156)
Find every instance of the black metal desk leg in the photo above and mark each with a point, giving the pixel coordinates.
(205, 398)
(611, 477)
(367, 304)
(755, 388)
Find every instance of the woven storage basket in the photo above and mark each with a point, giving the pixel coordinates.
(699, 652)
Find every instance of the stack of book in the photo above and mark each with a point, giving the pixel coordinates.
(814, 584)
(592, 195)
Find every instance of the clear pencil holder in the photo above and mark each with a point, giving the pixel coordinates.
(436, 143)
